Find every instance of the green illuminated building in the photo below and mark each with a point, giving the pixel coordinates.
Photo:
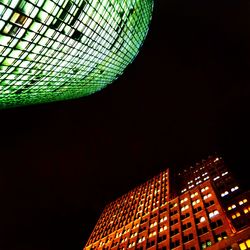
(62, 49)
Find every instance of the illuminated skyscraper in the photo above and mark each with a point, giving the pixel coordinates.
(195, 214)
(61, 49)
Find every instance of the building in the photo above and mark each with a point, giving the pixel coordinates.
(200, 207)
(56, 50)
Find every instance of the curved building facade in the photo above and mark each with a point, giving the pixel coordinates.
(62, 49)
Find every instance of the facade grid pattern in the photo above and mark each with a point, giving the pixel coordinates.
(56, 50)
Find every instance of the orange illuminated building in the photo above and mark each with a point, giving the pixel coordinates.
(205, 208)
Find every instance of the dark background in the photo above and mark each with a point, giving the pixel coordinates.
(186, 96)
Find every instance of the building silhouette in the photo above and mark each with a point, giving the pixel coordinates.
(199, 207)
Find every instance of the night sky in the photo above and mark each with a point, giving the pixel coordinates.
(186, 96)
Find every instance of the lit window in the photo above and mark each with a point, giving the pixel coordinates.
(207, 196)
(235, 188)
(224, 194)
(204, 189)
(245, 210)
(141, 239)
(248, 243)
(242, 246)
(184, 208)
(202, 219)
(212, 214)
(131, 245)
(216, 178)
(242, 202)
(224, 173)
(193, 195)
(233, 216)
(152, 234)
(238, 214)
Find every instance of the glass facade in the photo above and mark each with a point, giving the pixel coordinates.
(62, 49)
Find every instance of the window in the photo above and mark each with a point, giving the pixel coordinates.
(124, 239)
(185, 208)
(242, 202)
(194, 194)
(163, 210)
(210, 203)
(16, 22)
(131, 244)
(173, 212)
(162, 248)
(174, 244)
(172, 222)
(246, 210)
(234, 188)
(245, 245)
(173, 205)
(213, 213)
(184, 200)
(216, 178)
(62, 16)
(202, 219)
(141, 239)
(114, 244)
(224, 194)
(236, 215)
(197, 209)
(152, 234)
(133, 235)
(202, 230)
(195, 202)
(221, 236)
(224, 173)
(188, 237)
(153, 215)
(153, 224)
(142, 229)
(231, 207)
(186, 226)
(216, 224)
(174, 232)
(206, 244)
(150, 244)
(163, 219)
(207, 196)
(139, 248)
(162, 238)
(163, 228)
(184, 216)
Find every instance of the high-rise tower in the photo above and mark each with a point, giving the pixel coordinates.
(200, 207)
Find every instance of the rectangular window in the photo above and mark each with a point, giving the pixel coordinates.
(216, 224)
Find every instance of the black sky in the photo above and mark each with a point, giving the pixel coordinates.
(187, 95)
